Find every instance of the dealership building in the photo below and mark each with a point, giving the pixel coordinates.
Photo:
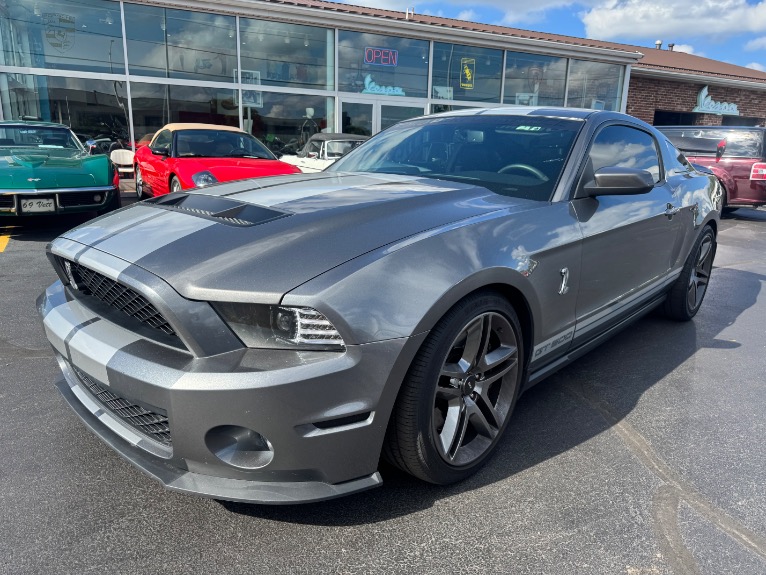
(284, 70)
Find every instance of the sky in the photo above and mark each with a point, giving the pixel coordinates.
(731, 31)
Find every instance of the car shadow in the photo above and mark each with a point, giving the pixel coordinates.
(571, 407)
(746, 214)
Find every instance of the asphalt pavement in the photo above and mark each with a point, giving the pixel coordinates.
(644, 457)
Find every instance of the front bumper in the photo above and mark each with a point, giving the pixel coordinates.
(64, 200)
(323, 414)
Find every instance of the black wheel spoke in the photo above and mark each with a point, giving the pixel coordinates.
(454, 429)
(448, 393)
(483, 416)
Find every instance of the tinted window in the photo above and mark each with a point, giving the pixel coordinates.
(520, 156)
(180, 44)
(534, 80)
(37, 137)
(219, 144)
(73, 35)
(678, 161)
(163, 141)
(626, 147)
(704, 141)
(280, 54)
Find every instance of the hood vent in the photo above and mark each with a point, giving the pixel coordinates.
(222, 210)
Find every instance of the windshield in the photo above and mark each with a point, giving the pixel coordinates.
(519, 156)
(338, 148)
(219, 144)
(47, 138)
(704, 141)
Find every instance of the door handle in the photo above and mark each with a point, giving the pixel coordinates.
(671, 210)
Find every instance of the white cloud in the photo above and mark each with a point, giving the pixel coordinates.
(756, 66)
(468, 15)
(757, 44)
(687, 48)
(666, 19)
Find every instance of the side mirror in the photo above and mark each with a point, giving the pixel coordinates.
(160, 151)
(720, 149)
(617, 181)
(313, 155)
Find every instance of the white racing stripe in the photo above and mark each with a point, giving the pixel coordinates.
(151, 235)
(93, 347)
(61, 320)
(95, 230)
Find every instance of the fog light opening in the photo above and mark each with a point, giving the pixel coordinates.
(239, 446)
(97, 198)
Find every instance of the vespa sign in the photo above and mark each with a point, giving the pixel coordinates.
(707, 105)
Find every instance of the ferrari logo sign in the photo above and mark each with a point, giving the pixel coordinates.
(467, 70)
(59, 30)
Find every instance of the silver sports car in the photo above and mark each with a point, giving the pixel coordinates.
(268, 340)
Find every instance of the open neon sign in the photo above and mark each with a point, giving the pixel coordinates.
(381, 56)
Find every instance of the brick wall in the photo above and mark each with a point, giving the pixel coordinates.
(645, 95)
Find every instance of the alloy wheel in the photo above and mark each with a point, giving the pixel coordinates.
(700, 276)
(475, 388)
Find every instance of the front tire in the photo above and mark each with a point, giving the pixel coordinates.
(459, 392)
(175, 185)
(688, 291)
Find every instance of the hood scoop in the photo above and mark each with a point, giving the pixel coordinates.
(217, 208)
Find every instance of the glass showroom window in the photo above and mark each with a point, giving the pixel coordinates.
(533, 80)
(594, 85)
(155, 105)
(382, 65)
(285, 121)
(466, 73)
(278, 54)
(94, 109)
(180, 44)
(81, 35)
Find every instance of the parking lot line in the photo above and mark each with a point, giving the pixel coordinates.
(4, 242)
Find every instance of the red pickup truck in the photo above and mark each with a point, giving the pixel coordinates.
(736, 155)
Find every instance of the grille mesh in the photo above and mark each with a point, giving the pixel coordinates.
(118, 296)
(152, 425)
(71, 199)
(7, 202)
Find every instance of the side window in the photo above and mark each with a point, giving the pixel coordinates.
(624, 146)
(162, 141)
(678, 161)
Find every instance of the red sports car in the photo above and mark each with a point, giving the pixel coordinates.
(182, 156)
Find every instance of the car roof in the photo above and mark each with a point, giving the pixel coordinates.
(33, 123)
(568, 113)
(193, 126)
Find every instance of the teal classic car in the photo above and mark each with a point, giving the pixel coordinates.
(44, 169)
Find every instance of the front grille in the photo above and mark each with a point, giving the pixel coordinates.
(149, 423)
(118, 296)
(7, 203)
(72, 199)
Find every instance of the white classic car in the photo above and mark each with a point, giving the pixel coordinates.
(321, 150)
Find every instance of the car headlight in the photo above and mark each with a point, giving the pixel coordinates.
(202, 179)
(280, 327)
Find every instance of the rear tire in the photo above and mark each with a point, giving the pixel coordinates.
(688, 291)
(140, 193)
(459, 393)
